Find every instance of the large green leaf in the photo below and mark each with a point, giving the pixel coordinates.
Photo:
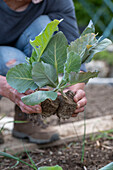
(75, 78)
(38, 97)
(44, 74)
(97, 47)
(44, 37)
(50, 168)
(20, 78)
(72, 63)
(56, 52)
(81, 44)
(102, 45)
(107, 167)
(89, 29)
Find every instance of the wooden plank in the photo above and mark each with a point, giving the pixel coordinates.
(92, 126)
(8, 122)
(68, 132)
(100, 80)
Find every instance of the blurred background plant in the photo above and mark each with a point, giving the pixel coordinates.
(101, 13)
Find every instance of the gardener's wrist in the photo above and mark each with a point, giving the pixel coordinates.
(5, 88)
(2, 85)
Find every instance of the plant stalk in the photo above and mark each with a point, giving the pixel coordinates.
(84, 137)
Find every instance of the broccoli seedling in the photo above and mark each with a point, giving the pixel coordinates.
(51, 56)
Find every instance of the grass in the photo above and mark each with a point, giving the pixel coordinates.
(105, 56)
(108, 134)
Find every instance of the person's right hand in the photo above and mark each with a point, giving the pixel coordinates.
(15, 96)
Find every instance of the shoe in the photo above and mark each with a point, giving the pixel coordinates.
(35, 133)
(1, 138)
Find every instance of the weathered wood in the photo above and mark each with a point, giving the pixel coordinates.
(7, 122)
(92, 126)
(68, 132)
(99, 80)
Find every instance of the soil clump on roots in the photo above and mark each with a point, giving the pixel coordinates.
(64, 106)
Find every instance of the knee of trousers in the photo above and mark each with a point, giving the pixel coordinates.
(34, 29)
(9, 57)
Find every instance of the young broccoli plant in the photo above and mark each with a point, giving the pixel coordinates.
(52, 56)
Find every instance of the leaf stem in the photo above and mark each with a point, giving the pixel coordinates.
(56, 66)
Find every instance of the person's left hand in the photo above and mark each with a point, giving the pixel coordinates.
(79, 98)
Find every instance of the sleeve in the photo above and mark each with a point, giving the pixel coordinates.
(64, 9)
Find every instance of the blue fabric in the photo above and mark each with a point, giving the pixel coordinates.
(11, 56)
(19, 27)
(13, 23)
(30, 33)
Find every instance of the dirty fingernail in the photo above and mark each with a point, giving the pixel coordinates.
(38, 109)
(78, 106)
(76, 99)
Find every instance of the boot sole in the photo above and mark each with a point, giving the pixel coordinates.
(21, 135)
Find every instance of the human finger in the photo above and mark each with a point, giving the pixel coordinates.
(74, 115)
(29, 92)
(82, 102)
(30, 109)
(79, 110)
(79, 95)
(44, 89)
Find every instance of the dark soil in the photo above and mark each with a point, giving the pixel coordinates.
(63, 106)
(66, 106)
(99, 103)
(98, 151)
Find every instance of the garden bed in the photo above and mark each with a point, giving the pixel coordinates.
(98, 153)
(68, 153)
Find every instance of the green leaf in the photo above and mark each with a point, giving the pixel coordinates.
(20, 78)
(44, 74)
(97, 47)
(15, 158)
(15, 165)
(73, 62)
(102, 45)
(33, 57)
(89, 29)
(75, 78)
(81, 44)
(8, 155)
(108, 167)
(44, 37)
(50, 168)
(85, 58)
(38, 97)
(31, 160)
(56, 52)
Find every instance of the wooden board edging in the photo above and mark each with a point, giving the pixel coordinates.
(69, 132)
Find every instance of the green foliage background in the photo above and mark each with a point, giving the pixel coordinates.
(83, 16)
(83, 19)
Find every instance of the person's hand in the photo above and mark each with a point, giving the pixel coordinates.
(12, 94)
(79, 98)
(15, 97)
